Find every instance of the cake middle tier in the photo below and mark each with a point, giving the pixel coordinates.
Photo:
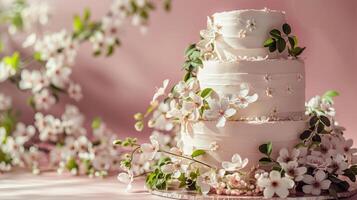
(279, 83)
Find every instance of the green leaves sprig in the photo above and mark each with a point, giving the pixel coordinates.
(266, 149)
(312, 135)
(278, 41)
(193, 61)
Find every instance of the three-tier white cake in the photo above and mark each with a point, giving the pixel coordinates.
(278, 113)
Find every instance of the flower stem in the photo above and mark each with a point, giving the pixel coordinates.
(188, 158)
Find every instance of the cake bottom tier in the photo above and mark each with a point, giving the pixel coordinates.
(241, 137)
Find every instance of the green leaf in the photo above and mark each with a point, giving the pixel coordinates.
(37, 56)
(313, 120)
(138, 116)
(331, 94)
(266, 148)
(13, 61)
(265, 161)
(350, 174)
(296, 51)
(320, 127)
(281, 44)
(86, 15)
(197, 152)
(293, 41)
(167, 5)
(316, 138)
(269, 42)
(272, 47)
(286, 29)
(305, 135)
(190, 49)
(78, 25)
(275, 33)
(206, 92)
(96, 123)
(325, 120)
(71, 164)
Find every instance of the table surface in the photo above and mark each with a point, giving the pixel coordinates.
(50, 186)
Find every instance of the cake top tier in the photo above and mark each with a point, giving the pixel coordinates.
(242, 33)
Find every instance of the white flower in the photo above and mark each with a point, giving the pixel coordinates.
(150, 149)
(34, 80)
(242, 33)
(161, 138)
(160, 91)
(213, 146)
(236, 164)
(242, 99)
(5, 102)
(203, 183)
(219, 110)
(319, 106)
(285, 156)
(126, 178)
(6, 71)
(346, 146)
(44, 100)
(251, 24)
(317, 160)
(209, 36)
(102, 162)
(316, 184)
(75, 91)
(185, 88)
(338, 165)
(58, 75)
(275, 184)
(293, 170)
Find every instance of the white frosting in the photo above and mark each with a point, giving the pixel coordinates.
(282, 77)
(243, 138)
(243, 32)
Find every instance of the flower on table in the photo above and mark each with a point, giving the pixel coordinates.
(236, 163)
(219, 110)
(160, 91)
(126, 178)
(204, 182)
(285, 156)
(275, 184)
(292, 170)
(44, 100)
(316, 184)
(242, 99)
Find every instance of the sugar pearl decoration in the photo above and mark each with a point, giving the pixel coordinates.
(267, 77)
(269, 92)
(300, 77)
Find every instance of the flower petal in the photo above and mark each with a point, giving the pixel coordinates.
(268, 192)
(221, 122)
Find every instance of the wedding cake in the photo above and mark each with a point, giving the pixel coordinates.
(242, 65)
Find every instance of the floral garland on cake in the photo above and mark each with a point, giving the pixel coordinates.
(324, 162)
(60, 142)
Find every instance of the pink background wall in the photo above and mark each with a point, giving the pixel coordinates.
(117, 87)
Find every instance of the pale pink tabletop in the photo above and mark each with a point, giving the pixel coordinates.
(50, 186)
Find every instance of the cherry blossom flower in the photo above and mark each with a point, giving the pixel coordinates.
(275, 184)
(338, 165)
(219, 110)
(346, 147)
(58, 75)
(33, 80)
(75, 91)
(236, 164)
(293, 170)
(6, 71)
(5, 102)
(159, 120)
(185, 88)
(317, 160)
(285, 156)
(319, 106)
(242, 99)
(44, 100)
(209, 36)
(150, 149)
(160, 91)
(126, 178)
(203, 182)
(316, 184)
